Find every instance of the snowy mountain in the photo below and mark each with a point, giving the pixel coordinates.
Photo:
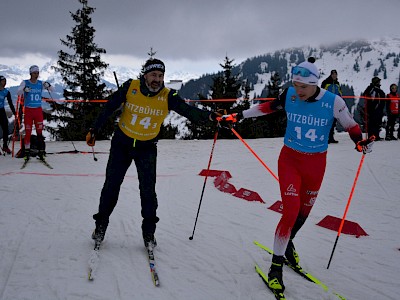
(16, 73)
(357, 62)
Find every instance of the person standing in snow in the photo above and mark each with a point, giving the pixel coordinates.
(375, 104)
(332, 84)
(32, 89)
(310, 113)
(5, 93)
(146, 103)
(392, 110)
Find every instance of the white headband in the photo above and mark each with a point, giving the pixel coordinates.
(33, 68)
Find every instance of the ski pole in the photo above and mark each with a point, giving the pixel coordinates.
(205, 181)
(347, 208)
(255, 154)
(94, 156)
(17, 123)
(116, 79)
(73, 145)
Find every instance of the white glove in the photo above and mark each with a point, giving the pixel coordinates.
(27, 89)
(46, 85)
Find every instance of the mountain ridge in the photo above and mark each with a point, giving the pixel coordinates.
(356, 62)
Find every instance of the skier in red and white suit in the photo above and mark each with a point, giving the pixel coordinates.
(310, 112)
(31, 89)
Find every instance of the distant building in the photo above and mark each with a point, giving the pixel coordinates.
(175, 84)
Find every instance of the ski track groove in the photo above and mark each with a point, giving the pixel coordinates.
(13, 263)
(378, 182)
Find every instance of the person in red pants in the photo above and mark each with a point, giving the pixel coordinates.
(310, 112)
(392, 110)
(32, 89)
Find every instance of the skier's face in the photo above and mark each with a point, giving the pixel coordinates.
(34, 76)
(304, 91)
(154, 80)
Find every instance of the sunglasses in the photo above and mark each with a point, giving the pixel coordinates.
(302, 72)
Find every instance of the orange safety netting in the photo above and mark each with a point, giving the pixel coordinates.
(215, 100)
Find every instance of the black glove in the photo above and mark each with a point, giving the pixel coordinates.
(216, 114)
(365, 146)
(46, 85)
(91, 137)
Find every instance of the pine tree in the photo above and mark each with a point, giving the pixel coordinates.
(81, 72)
(225, 86)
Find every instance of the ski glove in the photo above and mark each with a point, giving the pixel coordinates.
(46, 85)
(227, 120)
(365, 146)
(217, 114)
(91, 137)
(27, 89)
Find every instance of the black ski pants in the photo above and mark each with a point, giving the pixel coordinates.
(123, 151)
(4, 125)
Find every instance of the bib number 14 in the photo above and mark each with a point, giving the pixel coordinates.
(145, 122)
(310, 134)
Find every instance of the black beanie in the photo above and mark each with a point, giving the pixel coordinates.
(153, 64)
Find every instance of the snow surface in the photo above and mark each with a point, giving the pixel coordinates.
(46, 223)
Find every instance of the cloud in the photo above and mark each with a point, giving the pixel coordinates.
(196, 32)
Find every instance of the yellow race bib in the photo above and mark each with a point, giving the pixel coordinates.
(142, 116)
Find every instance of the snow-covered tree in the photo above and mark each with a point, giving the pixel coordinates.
(81, 71)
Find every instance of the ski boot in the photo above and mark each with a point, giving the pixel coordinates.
(275, 281)
(27, 155)
(6, 149)
(149, 239)
(99, 233)
(291, 254)
(41, 154)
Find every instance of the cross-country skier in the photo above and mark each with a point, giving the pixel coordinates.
(146, 103)
(310, 112)
(32, 89)
(5, 93)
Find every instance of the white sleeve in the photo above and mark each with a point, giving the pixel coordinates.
(342, 114)
(21, 87)
(252, 112)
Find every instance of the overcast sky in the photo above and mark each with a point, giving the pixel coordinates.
(191, 35)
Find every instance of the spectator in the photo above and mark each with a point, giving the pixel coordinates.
(375, 104)
(392, 110)
(332, 84)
